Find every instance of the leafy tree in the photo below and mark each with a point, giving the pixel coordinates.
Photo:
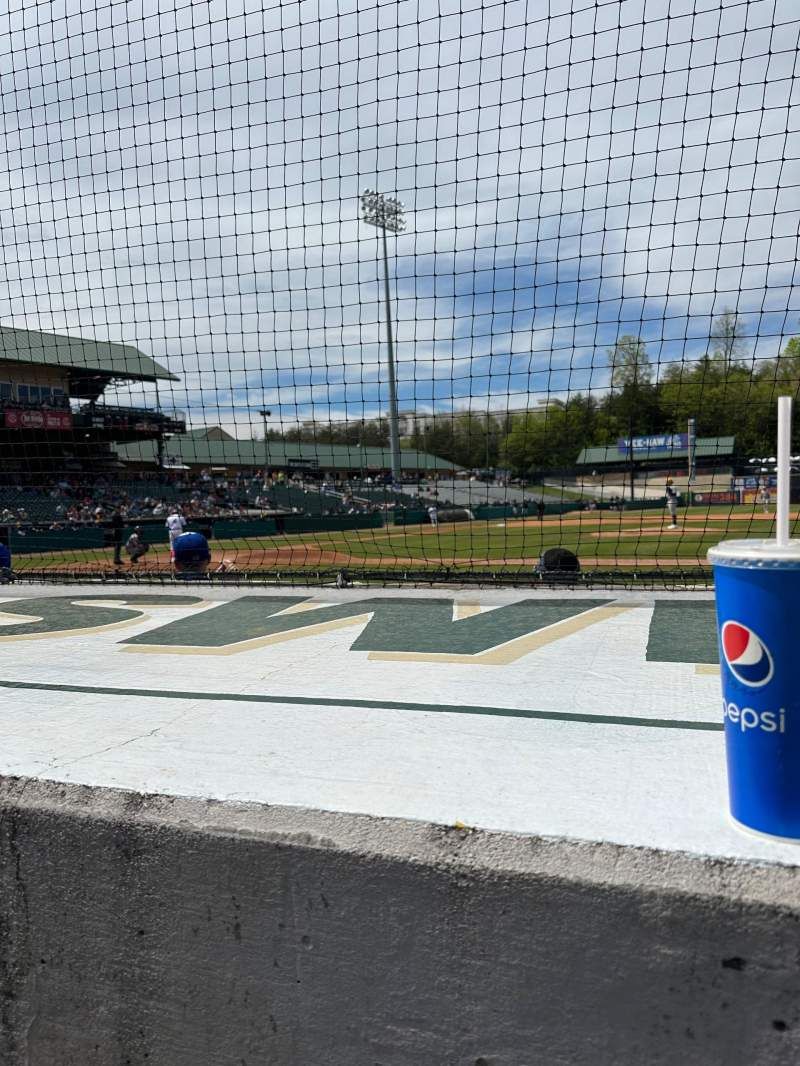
(728, 344)
(632, 405)
(734, 402)
(725, 396)
(550, 439)
(526, 445)
(366, 434)
(786, 375)
(629, 362)
(469, 440)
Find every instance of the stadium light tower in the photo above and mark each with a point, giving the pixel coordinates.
(386, 213)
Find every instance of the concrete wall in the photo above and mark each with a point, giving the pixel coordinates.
(147, 930)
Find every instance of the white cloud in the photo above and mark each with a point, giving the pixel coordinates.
(185, 177)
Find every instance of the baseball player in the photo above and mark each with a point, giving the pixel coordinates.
(175, 524)
(192, 554)
(672, 505)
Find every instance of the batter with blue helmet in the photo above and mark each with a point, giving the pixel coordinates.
(191, 553)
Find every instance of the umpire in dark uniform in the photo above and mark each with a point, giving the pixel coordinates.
(117, 526)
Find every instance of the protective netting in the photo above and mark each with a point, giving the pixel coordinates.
(561, 322)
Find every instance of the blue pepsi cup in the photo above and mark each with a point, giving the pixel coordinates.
(758, 618)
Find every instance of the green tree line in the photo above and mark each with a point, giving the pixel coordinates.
(726, 393)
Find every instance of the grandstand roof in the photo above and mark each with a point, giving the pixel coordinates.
(79, 353)
(209, 433)
(705, 448)
(194, 449)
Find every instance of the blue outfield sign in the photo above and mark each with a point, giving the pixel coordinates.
(664, 442)
(755, 482)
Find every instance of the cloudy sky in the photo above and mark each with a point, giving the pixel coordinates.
(185, 177)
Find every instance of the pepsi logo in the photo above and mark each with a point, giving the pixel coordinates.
(746, 654)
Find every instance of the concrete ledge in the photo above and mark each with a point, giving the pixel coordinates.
(171, 932)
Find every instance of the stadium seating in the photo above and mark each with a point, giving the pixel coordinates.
(37, 506)
(382, 494)
(37, 503)
(48, 504)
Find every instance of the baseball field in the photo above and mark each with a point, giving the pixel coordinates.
(640, 539)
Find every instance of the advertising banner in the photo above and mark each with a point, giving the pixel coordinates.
(715, 497)
(664, 442)
(18, 418)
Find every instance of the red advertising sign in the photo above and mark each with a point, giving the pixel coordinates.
(15, 418)
(714, 497)
(58, 419)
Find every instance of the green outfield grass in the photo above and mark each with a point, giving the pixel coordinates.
(607, 539)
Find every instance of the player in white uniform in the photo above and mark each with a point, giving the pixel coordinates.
(672, 505)
(176, 524)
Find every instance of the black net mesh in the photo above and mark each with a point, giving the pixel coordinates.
(549, 344)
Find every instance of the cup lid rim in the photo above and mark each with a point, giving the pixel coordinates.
(760, 551)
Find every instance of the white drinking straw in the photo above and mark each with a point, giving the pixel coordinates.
(784, 448)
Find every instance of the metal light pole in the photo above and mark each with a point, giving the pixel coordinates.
(265, 414)
(488, 444)
(386, 213)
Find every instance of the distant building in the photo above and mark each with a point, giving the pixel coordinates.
(210, 447)
(666, 452)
